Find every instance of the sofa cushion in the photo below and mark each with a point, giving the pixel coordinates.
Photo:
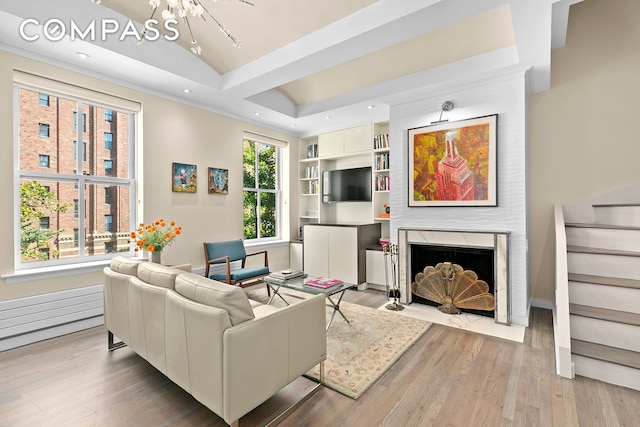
(158, 274)
(216, 294)
(125, 265)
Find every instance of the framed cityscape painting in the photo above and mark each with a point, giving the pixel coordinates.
(454, 163)
(218, 181)
(184, 178)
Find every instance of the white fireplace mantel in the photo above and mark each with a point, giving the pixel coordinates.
(496, 240)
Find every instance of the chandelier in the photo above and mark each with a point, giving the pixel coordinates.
(183, 9)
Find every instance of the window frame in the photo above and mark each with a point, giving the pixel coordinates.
(108, 142)
(45, 102)
(277, 191)
(46, 157)
(81, 96)
(108, 219)
(43, 126)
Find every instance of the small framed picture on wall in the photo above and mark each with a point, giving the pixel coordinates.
(218, 181)
(184, 178)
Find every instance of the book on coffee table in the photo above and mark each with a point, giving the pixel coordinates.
(285, 275)
(322, 282)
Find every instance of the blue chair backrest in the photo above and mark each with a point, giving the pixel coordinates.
(234, 249)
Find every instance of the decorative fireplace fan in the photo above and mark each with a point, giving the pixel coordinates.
(454, 288)
(390, 252)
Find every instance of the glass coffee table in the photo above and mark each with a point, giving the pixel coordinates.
(298, 285)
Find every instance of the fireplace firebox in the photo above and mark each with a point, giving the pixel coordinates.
(478, 260)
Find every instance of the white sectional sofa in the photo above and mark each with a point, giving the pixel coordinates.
(231, 353)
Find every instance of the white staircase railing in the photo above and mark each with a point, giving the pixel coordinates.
(561, 322)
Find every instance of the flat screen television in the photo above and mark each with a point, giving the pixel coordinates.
(346, 185)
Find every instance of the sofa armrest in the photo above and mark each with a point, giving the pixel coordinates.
(263, 355)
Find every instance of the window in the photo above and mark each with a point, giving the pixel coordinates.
(108, 223)
(108, 141)
(261, 190)
(44, 161)
(45, 252)
(44, 223)
(68, 196)
(108, 168)
(43, 99)
(75, 122)
(108, 195)
(108, 115)
(43, 129)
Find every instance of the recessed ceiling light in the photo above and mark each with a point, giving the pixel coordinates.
(327, 117)
(257, 113)
(83, 55)
(186, 90)
(293, 125)
(371, 107)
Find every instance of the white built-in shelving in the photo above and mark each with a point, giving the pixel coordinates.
(366, 145)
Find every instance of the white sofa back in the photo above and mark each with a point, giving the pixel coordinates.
(206, 337)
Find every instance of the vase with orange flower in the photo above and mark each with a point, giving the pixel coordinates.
(154, 237)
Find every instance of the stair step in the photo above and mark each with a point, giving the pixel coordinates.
(604, 280)
(601, 251)
(606, 353)
(615, 205)
(605, 314)
(603, 226)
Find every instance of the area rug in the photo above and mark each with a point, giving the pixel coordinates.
(358, 353)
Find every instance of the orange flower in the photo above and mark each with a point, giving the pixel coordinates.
(156, 236)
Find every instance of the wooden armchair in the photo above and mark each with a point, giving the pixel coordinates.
(231, 251)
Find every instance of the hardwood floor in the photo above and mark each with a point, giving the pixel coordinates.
(448, 378)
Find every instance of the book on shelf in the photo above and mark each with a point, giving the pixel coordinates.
(381, 141)
(285, 275)
(322, 282)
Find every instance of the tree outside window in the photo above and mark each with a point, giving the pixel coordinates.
(261, 190)
(36, 202)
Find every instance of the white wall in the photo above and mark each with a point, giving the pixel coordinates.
(505, 96)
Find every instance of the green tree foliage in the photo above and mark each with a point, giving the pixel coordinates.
(260, 175)
(36, 202)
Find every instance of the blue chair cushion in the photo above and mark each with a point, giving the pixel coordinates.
(241, 274)
(234, 249)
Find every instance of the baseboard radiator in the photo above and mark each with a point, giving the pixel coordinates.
(31, 319)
